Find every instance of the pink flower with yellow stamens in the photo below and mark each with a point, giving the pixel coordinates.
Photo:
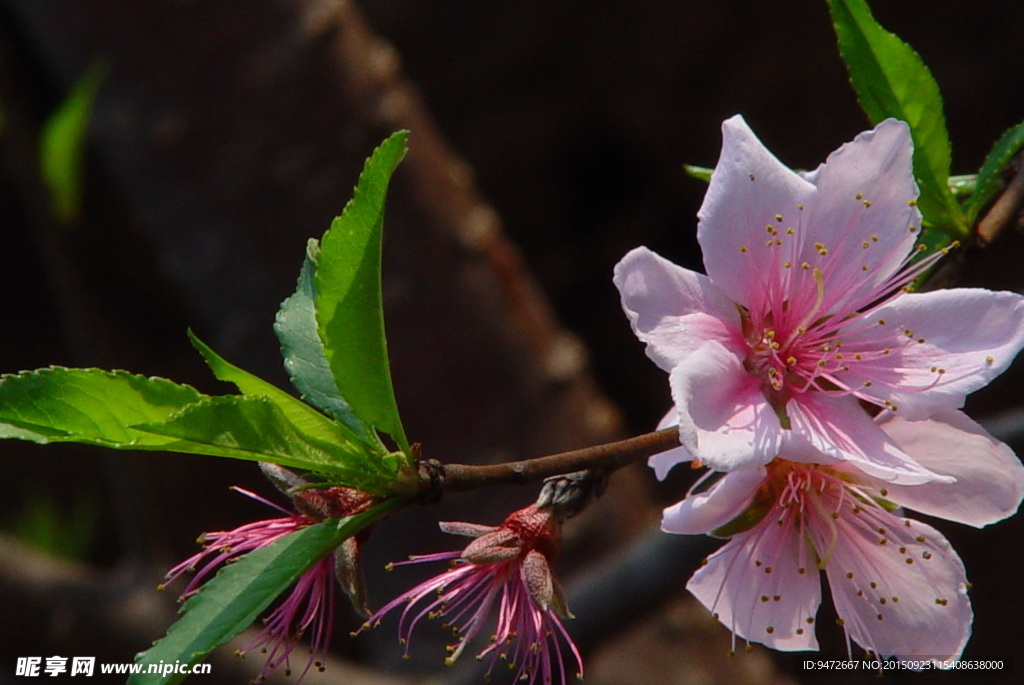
(898, 587)
(506, 570)
(804, 318)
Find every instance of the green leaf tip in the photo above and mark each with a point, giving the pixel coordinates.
(698, 172)
(987, 185)
(62, 143)
(89, 406)
(891, 80)
(348, 301)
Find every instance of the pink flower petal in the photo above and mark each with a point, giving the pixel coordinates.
(839, 428)
(706, 511)
(969, 336)
(724, 418)
(989, 477)
(861, 215)
(899, 587)
(672, 309)
(755, 586)
(748, 188)
(663, 462)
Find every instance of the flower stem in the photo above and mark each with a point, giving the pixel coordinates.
(608, 457)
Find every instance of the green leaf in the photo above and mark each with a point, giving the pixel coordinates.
(257, 429)
(891, 80)
(349, 310)
(698, 172)
(61, 144)
(89, 406)
(303, 351)
(301, 415)
(988, 176)
(241, 591)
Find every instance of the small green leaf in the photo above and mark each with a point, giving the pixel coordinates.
(988, 176)
(891, 80)
(257, 429)
(349, 310)
(698, 172)
(303, 351)
(62, 142)
(241, 591)
(301, 415)
(89, 406)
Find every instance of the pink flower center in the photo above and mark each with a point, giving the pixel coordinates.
(819, 501)
(809, 333)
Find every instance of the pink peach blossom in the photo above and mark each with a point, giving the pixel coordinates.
(899, 588)
(804, 316)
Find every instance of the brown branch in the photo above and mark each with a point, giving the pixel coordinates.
(1007, 207)
(607, 457)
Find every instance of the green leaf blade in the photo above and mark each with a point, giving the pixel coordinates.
(891, 80)
(255, 428)
(988, 176)
(89, 406)
(241, 591)
(62, 143)
(303, 351)
(349, 307)
(301, 415)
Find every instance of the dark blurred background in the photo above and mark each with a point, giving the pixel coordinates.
(547, 140)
